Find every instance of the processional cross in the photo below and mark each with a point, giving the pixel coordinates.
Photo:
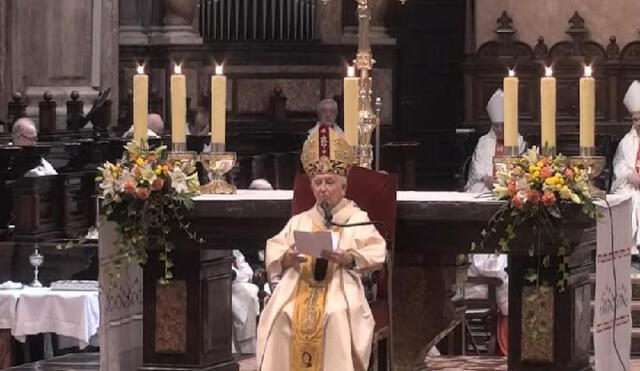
(367, 118)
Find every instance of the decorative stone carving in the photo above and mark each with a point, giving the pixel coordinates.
(179, 12)
(541, 51)
(613, 49)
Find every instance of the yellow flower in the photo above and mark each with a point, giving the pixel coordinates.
(140, 161)
(535, 174)
(159, 170)
(550, 181)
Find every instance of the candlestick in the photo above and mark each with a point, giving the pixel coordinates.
(587, 113)
(178, 109)
(548, 112)
(510, 88)
(350, 104)
(140, 104)
(218, 106)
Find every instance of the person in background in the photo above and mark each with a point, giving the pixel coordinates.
(327, 115)
(25, 134)
(481, 179)
(626, 165)
(200, 125)
(155, 127)
(244, 305)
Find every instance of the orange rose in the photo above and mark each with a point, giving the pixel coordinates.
(511, 186)
(142, 193)
(546, 172)
(533, 196)
(568, 173)
(548, 198)
(137, 171)
(129, 186)
(157, 184)
(518, 200)
(151, 158)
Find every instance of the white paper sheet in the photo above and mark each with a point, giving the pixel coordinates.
(314, 243)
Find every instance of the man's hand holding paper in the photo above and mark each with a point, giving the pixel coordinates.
(315, 243)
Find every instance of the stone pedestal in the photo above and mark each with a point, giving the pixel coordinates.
(187, 323)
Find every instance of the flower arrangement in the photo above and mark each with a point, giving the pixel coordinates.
(538, 190)
(147, 195)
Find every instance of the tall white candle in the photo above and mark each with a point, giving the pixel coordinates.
(140, 104)
(218, 106)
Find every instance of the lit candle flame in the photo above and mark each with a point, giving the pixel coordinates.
(177, 69)
(218, 69)
(548, 71)
(512, 73)
(588, 71)
(140, 69)
(351, 71)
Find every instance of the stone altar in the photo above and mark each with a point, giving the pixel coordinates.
(433, 228)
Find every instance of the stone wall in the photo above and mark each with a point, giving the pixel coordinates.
(549, 18)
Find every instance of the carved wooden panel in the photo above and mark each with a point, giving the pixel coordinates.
(55, 50)
(216, 320)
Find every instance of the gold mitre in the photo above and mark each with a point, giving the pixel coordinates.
(326, 152)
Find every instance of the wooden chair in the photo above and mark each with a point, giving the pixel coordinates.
(481, 318)
(374, 193)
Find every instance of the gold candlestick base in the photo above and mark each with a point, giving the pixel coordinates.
(593, 165)
(218, 163)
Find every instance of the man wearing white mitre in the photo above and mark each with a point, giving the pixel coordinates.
(626, 163)
(481, 179)
(318, 318)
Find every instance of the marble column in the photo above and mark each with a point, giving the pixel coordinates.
(71, 46)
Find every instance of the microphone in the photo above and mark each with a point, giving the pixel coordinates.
(328, 217)
(320, 269)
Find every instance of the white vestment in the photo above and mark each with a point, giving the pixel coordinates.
(349, 323)
(244, 305)
(129, 133)
(487, 265)
(624, 164)
(482, 161)
(43, 169)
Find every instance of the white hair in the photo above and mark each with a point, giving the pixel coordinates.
(327, 110)
(21, 123)
(261, 184)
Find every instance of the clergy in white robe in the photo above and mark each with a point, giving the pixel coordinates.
(626, 163)
(481, 178)
(327, 115)
(244, 306)
(318, 318)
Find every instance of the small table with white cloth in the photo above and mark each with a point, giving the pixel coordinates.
(30, 311)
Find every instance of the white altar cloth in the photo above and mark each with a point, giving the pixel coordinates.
(402, 196)
(31, 311)
(612, 289)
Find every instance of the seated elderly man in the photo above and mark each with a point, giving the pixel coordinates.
(318, 317)
(327, 115)
(25, 134)
(155, 127)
